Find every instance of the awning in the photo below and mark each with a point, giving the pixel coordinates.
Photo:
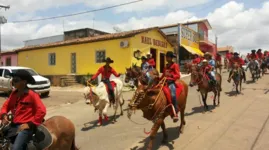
(193, 50)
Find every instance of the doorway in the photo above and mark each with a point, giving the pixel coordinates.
(153, 53)
(73, 63)
(162, 62)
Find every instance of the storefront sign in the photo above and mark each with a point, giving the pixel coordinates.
(149, 41)
(189, 37)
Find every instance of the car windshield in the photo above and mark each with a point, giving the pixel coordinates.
(32, 72)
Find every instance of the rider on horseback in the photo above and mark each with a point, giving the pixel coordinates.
(146, 67)
(106, 72)
(208, 70)
(196, 60)
(172, 73)
(240, 61)
(151, 60)
(27, 109)
(212, 63)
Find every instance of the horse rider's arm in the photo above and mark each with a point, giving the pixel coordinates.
(115, 73)
(100, 70)
(176, 74)
(39, 110)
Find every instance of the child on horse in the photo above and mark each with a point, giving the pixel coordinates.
(151, 60)
(212, 63)
(241, 62)
(208, 69)
(145, 66)
(172, 73)
(106, 72)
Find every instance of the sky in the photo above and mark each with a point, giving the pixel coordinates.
(243, 24)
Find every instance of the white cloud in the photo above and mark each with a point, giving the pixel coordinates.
(235, 25)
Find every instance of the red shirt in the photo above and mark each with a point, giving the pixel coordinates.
(253, 56)
(260, 55)
(29, 108)
(196, 60)
(248, 56)
(151, 62)
(105, 73)
(218, 58)
(206, 68)
(228, 56)
(238, 60)
(173, 70)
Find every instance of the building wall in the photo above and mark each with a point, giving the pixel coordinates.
(13, 56)
(45, 40)
(145, 48)
(85, 58)
(203, 31)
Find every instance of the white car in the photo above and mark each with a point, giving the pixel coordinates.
(42, 85)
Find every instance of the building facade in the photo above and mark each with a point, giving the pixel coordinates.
(9, 58)
(85, 55)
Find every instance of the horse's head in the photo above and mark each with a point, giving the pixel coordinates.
(128, 75)
(139, 95)
(195, 75)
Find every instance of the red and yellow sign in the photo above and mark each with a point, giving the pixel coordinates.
(149, 41)
(189, 37)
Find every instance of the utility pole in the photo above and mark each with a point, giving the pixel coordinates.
(3, 20)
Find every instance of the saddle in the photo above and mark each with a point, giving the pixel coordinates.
(42, 139)
(167, 93)
(113, 84)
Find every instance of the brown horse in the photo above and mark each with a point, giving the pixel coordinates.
(135, 73)
(237, 77)
(187, 67)
(218, 66)
(156, 108)
(200, 78)
(58, 130)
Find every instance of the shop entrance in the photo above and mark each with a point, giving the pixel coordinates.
(153, 53)
(162, 62)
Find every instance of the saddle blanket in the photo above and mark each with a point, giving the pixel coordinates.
(113, 84)
(166, 90)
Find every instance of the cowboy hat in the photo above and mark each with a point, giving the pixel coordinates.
(170, 54)
(207, 54)
(204, 61)
(259, 50)
(149, 54)
(236, 54)
(108, 60)
(143, 58)
(24, 75)
(253, 51)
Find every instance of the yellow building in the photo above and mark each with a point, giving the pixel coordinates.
(84, 56)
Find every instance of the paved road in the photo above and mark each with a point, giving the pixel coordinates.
(241, 122)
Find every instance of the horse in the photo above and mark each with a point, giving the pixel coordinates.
(225, 63)
(54, 133)
(263, 67)
(135, 73)
(237, 76)
(201, 79)
(218, 66)
(156, 108)
(187, 67)
(254, 69)
(98, 96)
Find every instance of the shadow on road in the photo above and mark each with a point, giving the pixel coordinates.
(157, 143)
(233, 93)
(93, 124)
(200, 109)
(250, 82)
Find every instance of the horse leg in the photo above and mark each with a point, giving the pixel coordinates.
(218, 97)
(215, 95)
(165, 136)
(182, 118)
(121, 104)
(105, 111)
(204, 96)
(116, 108)
(153, 133)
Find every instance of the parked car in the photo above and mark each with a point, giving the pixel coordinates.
(42, 85)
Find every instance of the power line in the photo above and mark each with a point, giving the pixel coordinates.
(80, 13)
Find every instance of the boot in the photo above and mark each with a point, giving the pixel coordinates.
(100, 120)
(106, 118)
(175, 117)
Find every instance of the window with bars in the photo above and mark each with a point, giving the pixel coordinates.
(8, 61)
(52, 59)
(100, 56)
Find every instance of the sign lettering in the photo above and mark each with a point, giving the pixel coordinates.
(149, 41)
(188, 34)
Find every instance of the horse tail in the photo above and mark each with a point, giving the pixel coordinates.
(74, 147)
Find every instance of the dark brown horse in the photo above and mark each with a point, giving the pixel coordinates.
(60, 129)
(201, 79)
(237, 76)
(156, 108)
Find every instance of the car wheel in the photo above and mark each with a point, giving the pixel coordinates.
(45, 94)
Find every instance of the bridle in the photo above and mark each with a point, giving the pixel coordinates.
(90, 95)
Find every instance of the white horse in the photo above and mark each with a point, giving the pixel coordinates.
(98, 96)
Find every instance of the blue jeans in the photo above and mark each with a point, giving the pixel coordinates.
(213, 76)
(110, 89)
(22, 139)
(172, 88)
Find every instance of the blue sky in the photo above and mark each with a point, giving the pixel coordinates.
(224, 16)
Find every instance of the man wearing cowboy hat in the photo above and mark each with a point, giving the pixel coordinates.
(27, 109)
(150, 60)
(253, 55)
(106, 71)
(172, 73)
(241, 62)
